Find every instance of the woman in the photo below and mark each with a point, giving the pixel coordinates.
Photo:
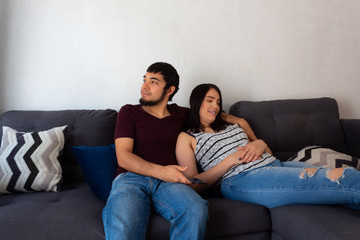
(245, 170)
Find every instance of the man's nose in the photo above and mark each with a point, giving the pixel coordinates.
(145, 85)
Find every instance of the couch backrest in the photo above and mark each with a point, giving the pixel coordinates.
(289, 125)
(85, 128)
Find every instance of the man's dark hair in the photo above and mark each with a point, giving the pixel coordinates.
(196, 99)
(169, 73)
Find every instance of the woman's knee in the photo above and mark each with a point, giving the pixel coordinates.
(335, 174)
(309, 172)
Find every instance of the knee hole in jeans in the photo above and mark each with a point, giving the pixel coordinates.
(334, 174)
(309, 172)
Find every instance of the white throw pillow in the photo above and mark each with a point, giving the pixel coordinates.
(30, 161)
(325, 157)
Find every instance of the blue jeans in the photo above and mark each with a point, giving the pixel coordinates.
(133, 197)
(284, 183)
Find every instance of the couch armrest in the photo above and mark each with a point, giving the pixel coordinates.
(352, 135)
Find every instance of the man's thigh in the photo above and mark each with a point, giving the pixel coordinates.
(129, 205)
(172, 199)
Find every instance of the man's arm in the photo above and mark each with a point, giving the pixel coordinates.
(242, 123)
(133, 163)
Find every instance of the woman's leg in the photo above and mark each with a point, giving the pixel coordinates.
(294, 183)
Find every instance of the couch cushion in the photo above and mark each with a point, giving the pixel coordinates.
(307, 222)
(232, 217)
(74, 213)
(30, 161)
(289, 125)
(227, 218)
(85, 128)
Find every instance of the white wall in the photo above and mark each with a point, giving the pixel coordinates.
(71, 54)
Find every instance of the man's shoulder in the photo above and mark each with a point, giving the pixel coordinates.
(130, 111)
(176, 108)
(131, 107)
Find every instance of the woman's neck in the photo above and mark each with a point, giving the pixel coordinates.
(206, 128)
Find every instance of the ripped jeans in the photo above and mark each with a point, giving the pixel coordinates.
(284, 183)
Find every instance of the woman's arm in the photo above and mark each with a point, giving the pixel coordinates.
(185, 156)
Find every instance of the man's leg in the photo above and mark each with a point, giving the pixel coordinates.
(128, 208)
(186, 211)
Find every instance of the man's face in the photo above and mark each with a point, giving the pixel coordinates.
(153, 89)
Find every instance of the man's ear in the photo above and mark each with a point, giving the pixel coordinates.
(170, 90)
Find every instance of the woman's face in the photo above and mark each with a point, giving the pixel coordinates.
(210, 107)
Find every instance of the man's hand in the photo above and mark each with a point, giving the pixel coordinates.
(174, 173)
(252, 151)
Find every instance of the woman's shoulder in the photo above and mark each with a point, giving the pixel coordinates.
(186, 135)
(187, 139)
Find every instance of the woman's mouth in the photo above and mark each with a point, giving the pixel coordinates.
(213, 112)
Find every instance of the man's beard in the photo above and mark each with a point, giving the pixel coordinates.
(152, 102)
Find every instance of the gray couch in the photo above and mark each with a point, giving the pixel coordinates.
(286, 125)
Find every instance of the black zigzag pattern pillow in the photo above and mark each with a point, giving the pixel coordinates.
(30, 161)
(325, 157)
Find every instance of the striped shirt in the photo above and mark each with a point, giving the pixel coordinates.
(212, 148)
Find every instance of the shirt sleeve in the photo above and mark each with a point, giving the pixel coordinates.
(125, 124)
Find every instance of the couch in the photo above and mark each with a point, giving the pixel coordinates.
(286, 125)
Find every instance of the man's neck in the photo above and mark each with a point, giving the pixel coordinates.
(159, 110)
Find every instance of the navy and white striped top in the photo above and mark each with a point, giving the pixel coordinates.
(212, 148)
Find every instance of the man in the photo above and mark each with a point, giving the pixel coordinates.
(148, 175)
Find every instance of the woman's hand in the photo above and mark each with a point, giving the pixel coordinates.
(233, 159)
(252, 151)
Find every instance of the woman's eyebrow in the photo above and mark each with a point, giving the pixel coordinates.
(212, 97)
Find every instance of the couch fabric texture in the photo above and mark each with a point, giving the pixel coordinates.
(286, 125)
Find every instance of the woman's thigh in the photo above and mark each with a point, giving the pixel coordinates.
(284, 184)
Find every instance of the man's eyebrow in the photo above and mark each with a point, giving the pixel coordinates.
(153, 78)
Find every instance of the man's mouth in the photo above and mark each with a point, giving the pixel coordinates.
(144, 93)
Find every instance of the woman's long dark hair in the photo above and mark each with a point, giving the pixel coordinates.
(196, 98)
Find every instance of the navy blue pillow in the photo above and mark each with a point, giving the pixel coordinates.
(99, 167)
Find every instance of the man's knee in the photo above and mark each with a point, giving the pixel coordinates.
(199, 209)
